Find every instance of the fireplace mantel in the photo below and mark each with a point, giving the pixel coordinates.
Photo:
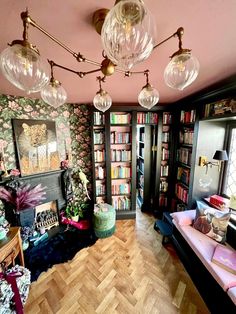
(53, 180)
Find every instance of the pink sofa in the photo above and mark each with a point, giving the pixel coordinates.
(211, 279)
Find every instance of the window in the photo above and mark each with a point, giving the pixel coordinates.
(230, 178)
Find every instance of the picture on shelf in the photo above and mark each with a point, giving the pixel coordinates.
(36, 146)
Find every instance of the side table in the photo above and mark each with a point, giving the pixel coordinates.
(11, 247)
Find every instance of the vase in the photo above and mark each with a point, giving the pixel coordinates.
(75, 218)
(26, 217)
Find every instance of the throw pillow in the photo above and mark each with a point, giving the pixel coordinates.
(184, 218)
(212, 222)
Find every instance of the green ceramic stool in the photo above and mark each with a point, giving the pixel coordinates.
(104, 220)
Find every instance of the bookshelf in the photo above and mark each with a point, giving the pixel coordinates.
(99, 158)
(166, 152)
(147, 129)
(185, 157)
(121, 153)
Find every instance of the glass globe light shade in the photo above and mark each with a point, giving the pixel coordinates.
(54, 94)
(128, 33)
(181, 71)
(148, 97)
(23, 67)
(102, 101)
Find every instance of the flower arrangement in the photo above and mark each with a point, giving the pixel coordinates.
(24, 197)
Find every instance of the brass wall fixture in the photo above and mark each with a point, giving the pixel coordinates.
(220, 156)
(22, 61)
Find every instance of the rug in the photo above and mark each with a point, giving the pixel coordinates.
(60, 247)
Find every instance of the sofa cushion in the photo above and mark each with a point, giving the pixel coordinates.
(212, 222)
(184, 218)
(204, 248)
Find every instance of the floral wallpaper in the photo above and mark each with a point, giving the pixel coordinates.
(72, 127)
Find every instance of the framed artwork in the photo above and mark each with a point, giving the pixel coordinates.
(36, 146)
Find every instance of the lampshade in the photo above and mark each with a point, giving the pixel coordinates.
(22, 66)
(181, 71)
(128, 33)
(148, 97)
(54, 94)
(102, 101)
(220, 155)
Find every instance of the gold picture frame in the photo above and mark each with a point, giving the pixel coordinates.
(36, 146)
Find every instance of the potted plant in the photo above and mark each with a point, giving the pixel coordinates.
(20, 202)
(74, 209)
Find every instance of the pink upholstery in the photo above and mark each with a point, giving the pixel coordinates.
(184, 218)
(232, 294)
(204, 248)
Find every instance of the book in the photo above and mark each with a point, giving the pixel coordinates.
(225, 258)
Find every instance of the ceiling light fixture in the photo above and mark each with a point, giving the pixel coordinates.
(128, 36)
(53, 93)
(102, 100)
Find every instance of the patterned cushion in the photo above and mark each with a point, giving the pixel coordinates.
(212, 222)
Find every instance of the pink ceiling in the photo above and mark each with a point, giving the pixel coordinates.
(210, 31)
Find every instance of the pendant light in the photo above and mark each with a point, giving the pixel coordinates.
(21, 64)
(53, 93)
(128, 33)
(149, 96)
(183, 68)
(102, 101)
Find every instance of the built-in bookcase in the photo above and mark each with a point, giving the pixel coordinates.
(114, 159)
(99, 158)
(147, 131)
(165, 160)
(184, 158)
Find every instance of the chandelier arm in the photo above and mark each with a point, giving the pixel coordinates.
(79, 73)
(179, 31)
(28, 20)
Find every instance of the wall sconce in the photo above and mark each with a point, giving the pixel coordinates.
(220, 156)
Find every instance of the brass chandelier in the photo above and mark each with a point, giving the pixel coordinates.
(128, 37)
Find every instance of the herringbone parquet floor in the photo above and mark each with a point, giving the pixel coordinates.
(130, 272)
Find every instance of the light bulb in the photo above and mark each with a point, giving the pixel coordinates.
(128, 33)
(102, 101)
(148, 97)
(181, 71)
(54, 94)
(22, 66)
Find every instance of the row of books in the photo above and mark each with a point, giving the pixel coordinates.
(123, 188)
(99, 118)
(181, 192)
(120, 118)
(120, 137)
(167, 118)
(100, 189)
(165, 154)
(165, 137)
(100, 173)
(186, 136)
(163, 185)
(183, 175)
(120, 172)
(164, 170)
(187, 116)
(120, 155)
(184, 155)
(147, 117)
(98, 137)
(121, 203)
(163, 200)
(99, 155)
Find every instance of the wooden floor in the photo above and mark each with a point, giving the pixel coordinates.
(130, 272)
